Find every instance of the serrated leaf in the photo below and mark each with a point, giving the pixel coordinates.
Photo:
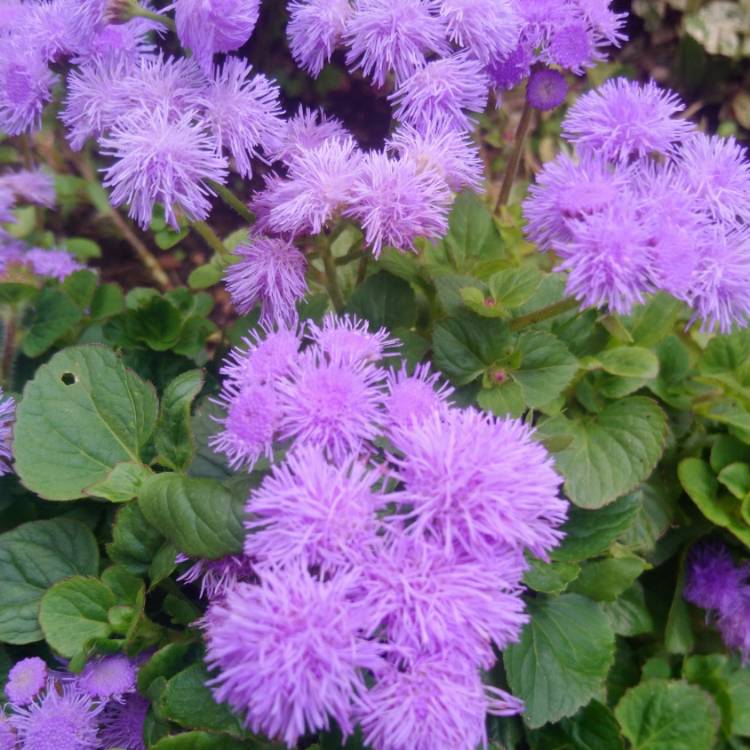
(123, 483)
(593, 728)
(629, 362)
(54, 315)
(546, 368)
(552, 577)
(513, 287)
(108, 300)
(134, 541)
(605, 580)
(628, 614)
(385, 300)
(174, 437)
(166, 662)
(562, 659)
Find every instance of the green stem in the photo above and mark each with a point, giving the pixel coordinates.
(362, 268)
(138, 11)
(332, 281)
(210, 238)
(545, 313)
(8, 349)
(349, 257)
(515, 157)
(232, 201)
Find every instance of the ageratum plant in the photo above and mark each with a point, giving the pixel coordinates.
(419, 459)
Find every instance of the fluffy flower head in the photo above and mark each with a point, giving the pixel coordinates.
(410, 398)
(57, 264)
(26, 680)
(348, 339)
(7, 416)
(108, 677)
(122, 724)
(489, 29)
(546, 89)
(315, 29)
(216, 576)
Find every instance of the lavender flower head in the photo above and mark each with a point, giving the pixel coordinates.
(315, 29)
(312, 512)
(288, 652)
(414, 397)
(26, 680)
(348, 339)
(308, 129)
(7, 418)
(161, 161)
(507, 72)
(31, 186)
(270, 271)
(546, 89)
(107, 677)
(122, 724)
(8, 738)
(216, 577)
(394, 35)
(57, 264)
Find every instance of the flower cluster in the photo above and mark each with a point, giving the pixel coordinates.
(716, 584)
(57, 710)
(647, 203)
(7, 416)
(387, 545)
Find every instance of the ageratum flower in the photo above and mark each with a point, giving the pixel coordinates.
(216, 576)
(413, 397)
(398, 200)
(30, 186)
(48, 27)
(288, 652)
(438, 701)
(113, 42)
(394, 35)
(210, 26)
(122, 724)
(161, 161)
(243, 111)
(57, 264)
(574, 47)
(622, 119)
(8, 738)
(7, 417)
(348, 339)
(546, 89)
(311, 511)
(308, 129)
(477, 485)
(315, 29)
(443, 89)
(270, 271)
(26, 680)
(107, 677)
(330, 403)
(7, 203)
(507, 72)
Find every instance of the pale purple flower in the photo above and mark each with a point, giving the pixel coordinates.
(7, 203)
(107, 677)
(11, 250)
(440, 148)
(115, 42)
(26, 679)
(349, 339)
(315, 29)
(57, 264)
(13, 11)
(122, 724)
(717, 170)
(288, 652)
(216, 577)
(605, 22)
(7, 419)
(330, 403)
(62, 719)
(394, 35)
(443, 89)
(413, 397)
(311, 511)
(30, 186)
(438, 701)
(308, 129)
(477, 484)
(48, 27)
(8, 738)
(546, 89)
(489, 29)
(243, 111)
(210, 26)
(270, 271)
(507, 72)
(318, 186)
(398, 200)
(574, 47)
(161, 161)
(622, 119)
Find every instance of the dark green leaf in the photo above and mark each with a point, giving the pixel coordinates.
(592, 728)
(134, 541)
(605, 580)
(386, 301)
(546, 368)
(199, 741)
(629, 362)
(174, 437)
(166, 662)
(550, 578)
(54, 315)
(629, 614)
(108, 300)
(80, 287)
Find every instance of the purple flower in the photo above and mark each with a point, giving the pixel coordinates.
(49, 28)
(216, 576)
(57, 264)
(7, 419)
(26, 679)
(243, 111)
(318, 186)
(210, 26)
(8, 738)
(11, 251)
(307, 130)
(606, 23)
(253, 418)
(270, 271)
(574, 47)
(487, 28)
(622, 119)
(411, 398)
(477, 484)
(315, 29)
(30, 186)
(440, 148)
(332, 404)
(717, 170)
(394, 35)
(398, 200)
(443, 89)
(348, 339)
(107, 677)
(313, 512)
(507, 72)
(438, 701)
(289, 653)
(546, 89)
(7, 203)
(121, 724)
(63, 719)
(161, 161)
(114, 42)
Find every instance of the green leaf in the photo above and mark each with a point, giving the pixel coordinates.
(739, 693)
(163, 564)
(81, 415)
(205, 276)
(727, 450)
(629, 362)
(711, 672)
(12, 292)
(80, 287)
(664, 715)
(166, 662)
(34, 556)
(736, 478)
(562, 659)
(385, 300)
(174, 436)
(134, 541)
(74, 612)
(629, 614)
(156, 322)
(83, 248)
(514, 286)
(126, 587)
(108, 300)
(123, 483)
(550, 578)
(612, 452)
(593, 728)
(605, 580)
(546, 369)
(678, 631)
(503, 400)
(199, 741)
(54, 315)
(199, 516)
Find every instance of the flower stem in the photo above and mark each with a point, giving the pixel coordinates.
(544, 313)
(232, 201)
(515, 157)
(138, 11)
(332, 281)
(210, 238)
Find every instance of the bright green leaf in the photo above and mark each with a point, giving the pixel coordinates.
(552, 577)
(605, 580)
(546, 368)
(134, 541)
(629, 362)
(123, 483)
(174, 437)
